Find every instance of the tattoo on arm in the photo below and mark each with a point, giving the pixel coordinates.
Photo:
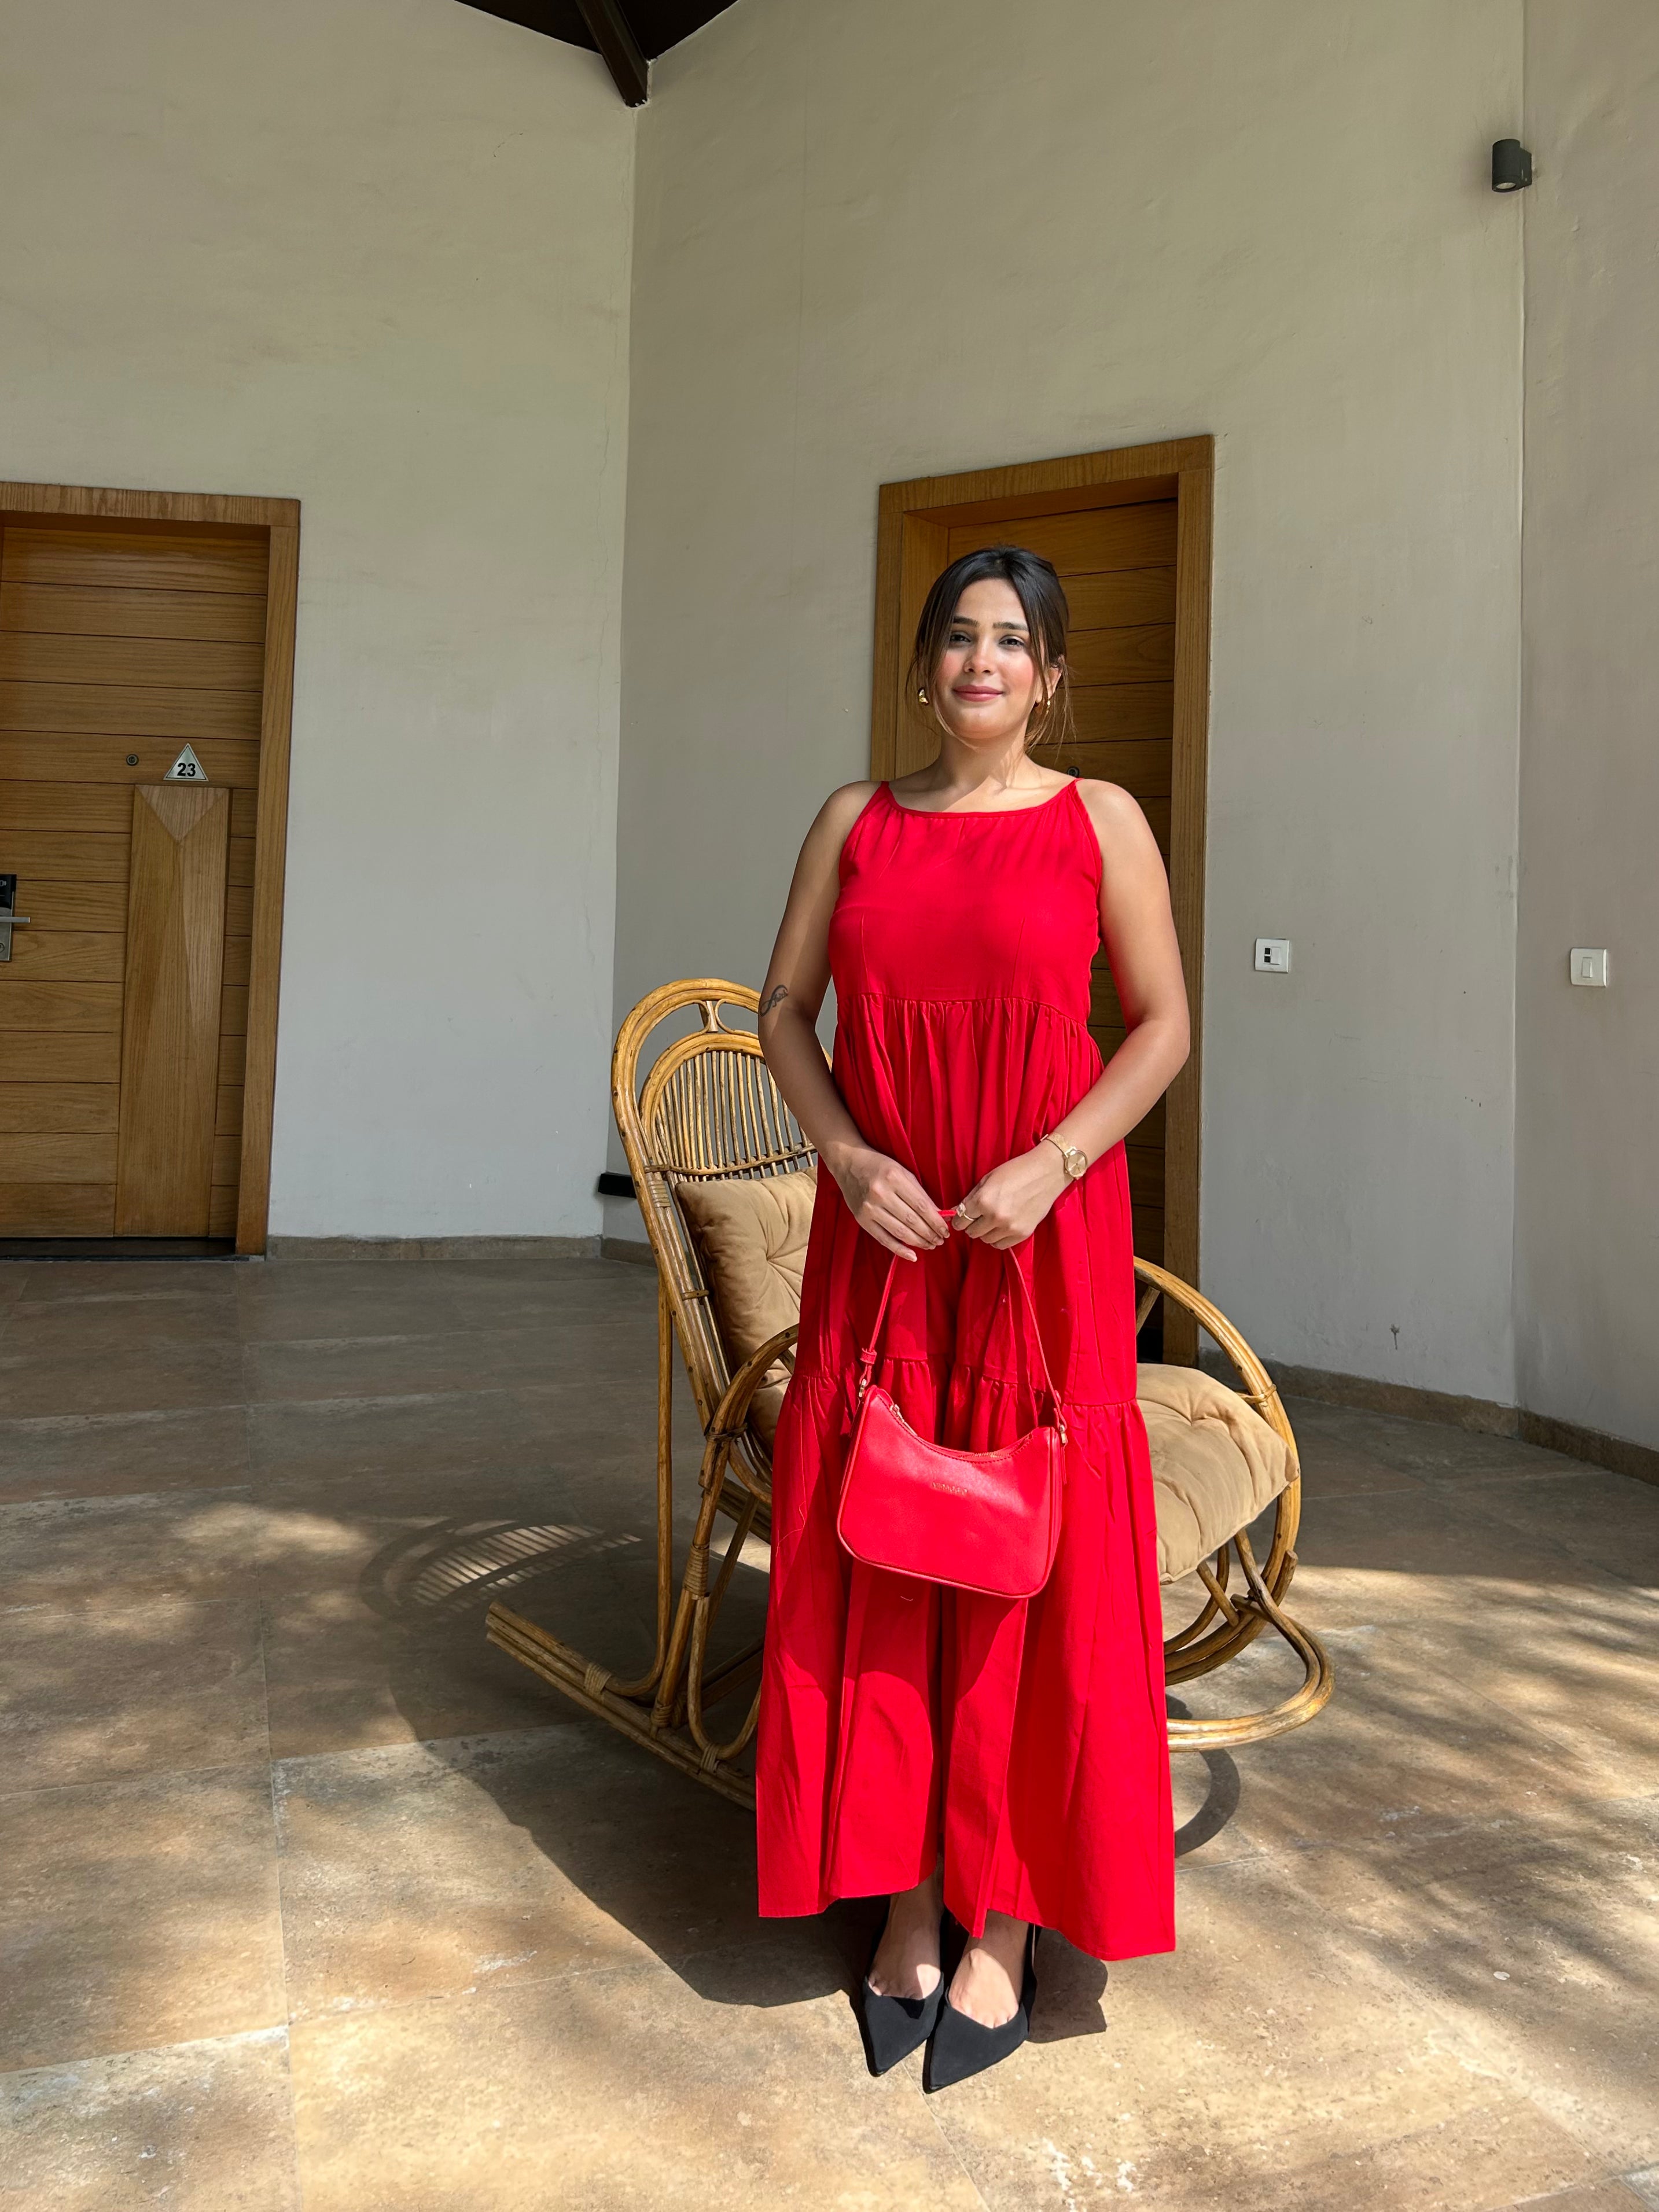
(774, 998)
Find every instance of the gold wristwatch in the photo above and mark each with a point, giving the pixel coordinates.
(1077, 1162)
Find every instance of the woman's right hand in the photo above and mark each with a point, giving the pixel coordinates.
(887, 1201)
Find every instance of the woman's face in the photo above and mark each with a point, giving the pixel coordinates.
(987, 681)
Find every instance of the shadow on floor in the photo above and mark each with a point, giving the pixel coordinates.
(671, 1862)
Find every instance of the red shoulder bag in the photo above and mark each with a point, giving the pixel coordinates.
(988, 1522)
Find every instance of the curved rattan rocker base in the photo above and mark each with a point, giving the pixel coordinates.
(707, 1108)
(665, 1709)
(1229, 1619)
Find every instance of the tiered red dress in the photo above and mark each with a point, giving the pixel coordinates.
(1029, 1736)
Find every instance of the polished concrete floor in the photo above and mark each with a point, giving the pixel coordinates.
(309, 1896)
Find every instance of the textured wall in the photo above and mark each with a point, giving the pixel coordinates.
(877, 241)
(1588, 1230)
(373, 254)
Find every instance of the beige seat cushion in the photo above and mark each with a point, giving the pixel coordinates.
(1216, 1463)
(751, 1238)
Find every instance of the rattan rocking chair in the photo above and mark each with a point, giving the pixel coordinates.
(708, 1110)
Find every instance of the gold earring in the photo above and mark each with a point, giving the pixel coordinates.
(922, 693)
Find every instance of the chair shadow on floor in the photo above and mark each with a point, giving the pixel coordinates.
(670, 1862)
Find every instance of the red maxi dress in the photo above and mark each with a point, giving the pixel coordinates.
(1029, 1735)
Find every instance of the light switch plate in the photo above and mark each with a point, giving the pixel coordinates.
(1273, 955)
(1588, 963)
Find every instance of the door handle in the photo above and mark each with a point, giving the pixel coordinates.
(8, 919)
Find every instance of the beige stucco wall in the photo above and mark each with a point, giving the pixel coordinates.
(373, 254)
(876, 241)
(1588, 1228)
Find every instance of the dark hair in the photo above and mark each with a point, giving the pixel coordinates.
(1037, 586)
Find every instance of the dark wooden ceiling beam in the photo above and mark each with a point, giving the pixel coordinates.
(618, 48)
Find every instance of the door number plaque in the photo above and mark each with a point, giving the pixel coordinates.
(187, 768)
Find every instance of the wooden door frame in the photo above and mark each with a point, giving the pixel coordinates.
(279, 520)
(913, 525)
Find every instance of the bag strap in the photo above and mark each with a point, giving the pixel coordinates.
(867, 1357)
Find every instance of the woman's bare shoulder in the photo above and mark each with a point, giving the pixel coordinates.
(847, 802)
(820, 851)
(838, 813)
(1116, 813)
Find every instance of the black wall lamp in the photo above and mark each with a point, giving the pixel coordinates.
(1511, 166)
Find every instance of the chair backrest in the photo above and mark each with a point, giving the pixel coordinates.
(707, 1109)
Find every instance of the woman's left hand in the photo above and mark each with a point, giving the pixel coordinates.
(1005, 1206)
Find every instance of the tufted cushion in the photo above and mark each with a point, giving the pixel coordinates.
(1216, 1463)
(751, 1239)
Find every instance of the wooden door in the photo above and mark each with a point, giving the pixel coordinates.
(124, 1009)
(1128, 532)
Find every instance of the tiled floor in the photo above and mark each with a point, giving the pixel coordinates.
(310, 1896)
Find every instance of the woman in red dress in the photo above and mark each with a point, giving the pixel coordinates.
(1002, 1766)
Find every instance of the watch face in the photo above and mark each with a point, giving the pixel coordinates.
(1077, 1163)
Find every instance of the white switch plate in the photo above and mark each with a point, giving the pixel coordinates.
(1273, 954)
(1588, 964)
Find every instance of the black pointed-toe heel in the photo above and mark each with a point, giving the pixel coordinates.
(959, 2046)
(892, 2027)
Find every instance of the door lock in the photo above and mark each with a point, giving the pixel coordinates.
(8, 919)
